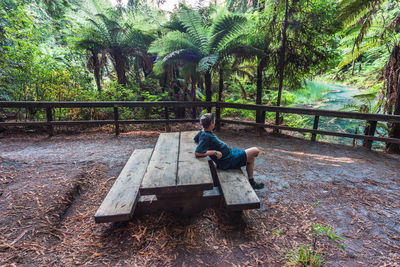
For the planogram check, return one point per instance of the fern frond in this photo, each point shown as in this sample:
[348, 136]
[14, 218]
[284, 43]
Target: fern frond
[225, 28]
[171, 42]
[206, 63]
[185, 55]
[367, 96]
[353, 55]
[352, 11]
[350, 107]
[395, 23]
[192, 22]
[135, 38]
[358, 11]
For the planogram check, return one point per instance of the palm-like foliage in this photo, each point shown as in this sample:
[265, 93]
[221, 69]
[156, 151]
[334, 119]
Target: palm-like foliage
[118, 35]
[196, 45]
[355, 13]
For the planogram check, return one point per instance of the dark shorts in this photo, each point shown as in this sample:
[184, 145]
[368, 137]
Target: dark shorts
[237, 159]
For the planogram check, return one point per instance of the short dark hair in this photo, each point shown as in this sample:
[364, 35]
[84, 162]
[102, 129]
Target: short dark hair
[206, 119]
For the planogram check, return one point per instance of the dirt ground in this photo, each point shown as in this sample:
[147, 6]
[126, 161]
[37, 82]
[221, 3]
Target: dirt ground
[50, 188]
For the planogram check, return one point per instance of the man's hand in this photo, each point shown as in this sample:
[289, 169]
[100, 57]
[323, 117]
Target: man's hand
[219, 154]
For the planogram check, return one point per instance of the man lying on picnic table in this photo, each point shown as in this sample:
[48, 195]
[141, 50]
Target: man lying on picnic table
[224, 156]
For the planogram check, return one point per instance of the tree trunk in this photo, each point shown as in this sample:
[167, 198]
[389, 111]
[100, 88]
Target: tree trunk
[282, 52]
[119, 66]
[207, 78]
[259, 91]
[392, 94]
[193, 96]
[96, 68]
[221, 84]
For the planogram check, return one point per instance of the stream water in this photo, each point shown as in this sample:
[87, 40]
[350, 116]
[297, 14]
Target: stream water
[335, 97]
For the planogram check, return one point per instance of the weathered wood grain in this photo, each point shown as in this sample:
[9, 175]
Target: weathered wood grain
[150, 204]
[193, 173]
[121, 200]
[162, 170]
[237, 191]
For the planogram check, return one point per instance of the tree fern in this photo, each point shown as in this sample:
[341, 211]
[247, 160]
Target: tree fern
[119, 35]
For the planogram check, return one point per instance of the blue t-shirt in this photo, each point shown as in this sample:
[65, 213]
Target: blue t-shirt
[209, 141]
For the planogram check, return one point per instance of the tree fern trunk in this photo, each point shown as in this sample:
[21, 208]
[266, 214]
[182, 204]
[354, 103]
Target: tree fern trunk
[282, 52]
[193, 96]
[207, 78]
[392, 93]
[96, 68]
[119, 67]
[259, 91]
[221, 84]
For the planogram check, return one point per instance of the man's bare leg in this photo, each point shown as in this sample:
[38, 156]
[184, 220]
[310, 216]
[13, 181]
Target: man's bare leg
[251, 154]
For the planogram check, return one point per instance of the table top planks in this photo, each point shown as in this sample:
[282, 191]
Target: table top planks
[237, 191]
[193, 173]
[162, 169]
[121, 200]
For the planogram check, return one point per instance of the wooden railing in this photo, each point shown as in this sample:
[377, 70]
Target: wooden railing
[372, 119]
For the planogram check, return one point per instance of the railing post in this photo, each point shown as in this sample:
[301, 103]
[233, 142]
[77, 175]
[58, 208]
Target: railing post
[315, 127]
[166, 113]
[218, 117]
[49, 115]
[371, 132]
[277, 122]
[116, 122]
[261, 119]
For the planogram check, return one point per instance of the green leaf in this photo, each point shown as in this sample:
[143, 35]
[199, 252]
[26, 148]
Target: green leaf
[206, 63]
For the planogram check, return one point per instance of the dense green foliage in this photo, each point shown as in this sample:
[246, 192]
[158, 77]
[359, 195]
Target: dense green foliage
[49, 50]
[246, 52]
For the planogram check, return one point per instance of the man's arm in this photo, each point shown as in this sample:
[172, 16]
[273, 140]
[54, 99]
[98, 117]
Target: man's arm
[209, 153]
[196, 138]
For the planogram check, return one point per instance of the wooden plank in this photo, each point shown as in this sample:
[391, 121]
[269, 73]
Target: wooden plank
[315, 112]
[121, 200]
[161, 173]
[304, 111]
[149, 204]
[193, 173]
[95, 122]
[101, 104]
[237, 191]
[302, 130]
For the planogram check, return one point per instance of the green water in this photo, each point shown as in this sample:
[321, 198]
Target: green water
[328, 96]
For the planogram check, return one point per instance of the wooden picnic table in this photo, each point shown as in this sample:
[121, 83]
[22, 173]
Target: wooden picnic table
[173, 167]
[170, 177]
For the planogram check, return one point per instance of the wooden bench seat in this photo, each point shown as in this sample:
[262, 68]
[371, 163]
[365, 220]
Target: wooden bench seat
[236, 189]
[121, 200]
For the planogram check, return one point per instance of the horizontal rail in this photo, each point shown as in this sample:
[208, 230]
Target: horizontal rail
[315, 112]
[294, 129]
[105, 104]
[96, 122]
[300, 111]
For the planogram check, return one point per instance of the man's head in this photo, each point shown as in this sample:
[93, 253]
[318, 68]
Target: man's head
[206, 120]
